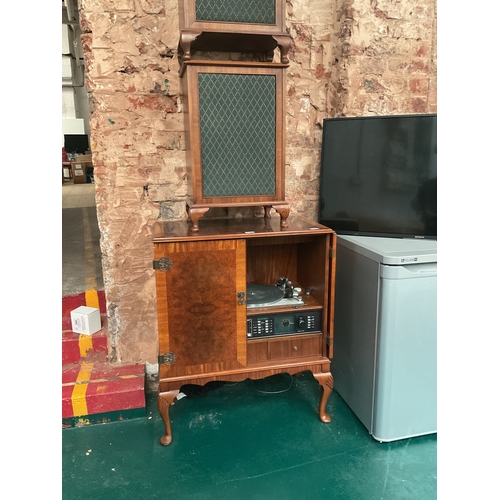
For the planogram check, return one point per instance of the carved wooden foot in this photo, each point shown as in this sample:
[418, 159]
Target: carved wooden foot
[165, 399]
[284, 211]
[284, 42]
[194, 214]
[186, 39]
[326, 382]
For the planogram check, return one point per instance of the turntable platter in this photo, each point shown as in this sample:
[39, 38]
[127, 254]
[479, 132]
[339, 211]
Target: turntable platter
[263, 295]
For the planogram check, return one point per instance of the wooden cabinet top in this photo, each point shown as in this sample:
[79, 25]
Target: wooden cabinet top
[257, 227]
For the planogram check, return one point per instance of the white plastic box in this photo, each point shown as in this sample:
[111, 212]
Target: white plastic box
[86, 320]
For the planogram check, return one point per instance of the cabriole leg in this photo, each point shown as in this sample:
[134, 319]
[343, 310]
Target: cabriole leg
[194, 214]
[165, 399]
[284, 211]
[326, 382]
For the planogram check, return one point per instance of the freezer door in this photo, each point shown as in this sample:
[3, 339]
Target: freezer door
[405, 396]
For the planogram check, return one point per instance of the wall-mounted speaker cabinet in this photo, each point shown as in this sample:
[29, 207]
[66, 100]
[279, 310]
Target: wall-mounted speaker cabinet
[235, 123]
[252, 26]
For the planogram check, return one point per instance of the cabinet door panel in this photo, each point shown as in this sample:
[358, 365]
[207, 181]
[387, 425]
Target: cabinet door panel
[200, 320]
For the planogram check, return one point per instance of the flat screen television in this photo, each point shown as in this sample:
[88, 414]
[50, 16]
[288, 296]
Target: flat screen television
[379, 176]
[76, 143]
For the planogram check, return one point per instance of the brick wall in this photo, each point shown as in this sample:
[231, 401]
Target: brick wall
[348, 57]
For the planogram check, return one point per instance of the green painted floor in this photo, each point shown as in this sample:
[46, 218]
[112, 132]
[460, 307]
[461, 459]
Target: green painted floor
[251, 440]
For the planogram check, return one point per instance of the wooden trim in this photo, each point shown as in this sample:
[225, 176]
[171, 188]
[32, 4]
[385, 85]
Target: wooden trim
[331, 298]
[255, 370]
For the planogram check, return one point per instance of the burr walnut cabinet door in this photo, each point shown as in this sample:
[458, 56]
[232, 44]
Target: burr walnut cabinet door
[201, 310]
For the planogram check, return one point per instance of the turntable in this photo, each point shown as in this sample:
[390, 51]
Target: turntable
[272, 296]
[282, 294]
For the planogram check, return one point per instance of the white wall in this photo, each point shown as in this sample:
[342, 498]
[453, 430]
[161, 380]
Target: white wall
[73, 126]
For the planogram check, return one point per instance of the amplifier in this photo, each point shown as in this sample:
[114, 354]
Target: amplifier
[272, 325]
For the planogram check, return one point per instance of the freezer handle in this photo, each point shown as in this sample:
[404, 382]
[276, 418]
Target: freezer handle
[409, 271]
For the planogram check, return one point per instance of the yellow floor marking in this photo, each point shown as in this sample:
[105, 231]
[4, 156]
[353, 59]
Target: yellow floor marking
[85, 341]
[91, 298]
[85, 344]
[78, 396]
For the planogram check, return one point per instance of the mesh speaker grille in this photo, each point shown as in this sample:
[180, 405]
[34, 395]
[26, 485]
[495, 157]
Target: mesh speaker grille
[236, 11]
[238, 134]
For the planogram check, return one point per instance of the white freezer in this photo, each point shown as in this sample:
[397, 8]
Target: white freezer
[385, 351]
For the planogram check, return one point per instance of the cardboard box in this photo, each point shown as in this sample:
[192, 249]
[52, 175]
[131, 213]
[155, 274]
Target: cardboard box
[86, 320]
[79, 172]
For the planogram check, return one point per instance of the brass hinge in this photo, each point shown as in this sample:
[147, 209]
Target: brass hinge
[163, 264]
[241, 298]
[331, 253]
[167, 358]
[329, 341]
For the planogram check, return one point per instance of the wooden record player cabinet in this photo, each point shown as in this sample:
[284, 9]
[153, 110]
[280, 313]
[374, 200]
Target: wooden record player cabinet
[201, 283]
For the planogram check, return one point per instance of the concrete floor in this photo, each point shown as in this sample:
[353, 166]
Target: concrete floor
[81, 252]
[78, 195]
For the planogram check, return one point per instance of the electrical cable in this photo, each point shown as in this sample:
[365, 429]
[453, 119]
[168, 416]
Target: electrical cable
[274, 392]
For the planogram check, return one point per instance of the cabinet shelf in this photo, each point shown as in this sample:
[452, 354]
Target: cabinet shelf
[261, 44]
[310, 304]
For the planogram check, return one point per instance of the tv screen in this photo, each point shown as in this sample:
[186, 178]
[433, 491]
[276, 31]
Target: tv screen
[76, 143]
[379, 176]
